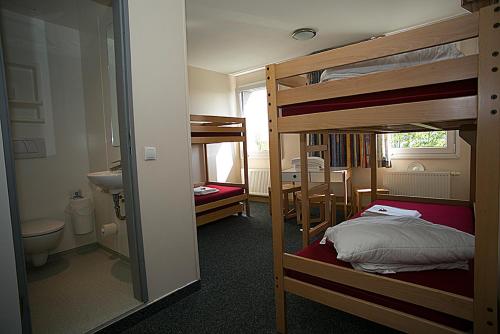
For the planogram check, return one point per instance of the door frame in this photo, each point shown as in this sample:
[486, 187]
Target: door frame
[128, 148]
[22, 281]
[128, 158]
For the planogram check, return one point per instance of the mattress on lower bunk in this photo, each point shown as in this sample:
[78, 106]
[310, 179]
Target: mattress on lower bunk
[445, 90]
[456, 281]
[224, 192]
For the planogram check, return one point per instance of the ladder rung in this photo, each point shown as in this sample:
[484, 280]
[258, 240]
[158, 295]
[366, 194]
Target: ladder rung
[319, 228]
[316, 148]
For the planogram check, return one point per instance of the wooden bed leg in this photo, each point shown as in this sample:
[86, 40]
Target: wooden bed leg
[245, 170]
[487, 174]
[276, 199]
[373, 165]
[304, 191]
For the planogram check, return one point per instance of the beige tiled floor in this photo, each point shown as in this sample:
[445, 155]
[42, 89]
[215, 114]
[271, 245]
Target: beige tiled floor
[77, 292]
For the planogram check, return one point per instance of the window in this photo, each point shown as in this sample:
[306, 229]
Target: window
[430, 144]
[254, 109]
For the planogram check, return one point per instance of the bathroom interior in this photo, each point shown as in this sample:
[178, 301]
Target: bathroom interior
[60, 69]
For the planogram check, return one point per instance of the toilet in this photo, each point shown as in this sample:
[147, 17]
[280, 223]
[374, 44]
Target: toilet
[39, 237]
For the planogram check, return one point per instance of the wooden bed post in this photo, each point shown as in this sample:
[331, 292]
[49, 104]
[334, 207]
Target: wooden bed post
[305, 217]
[373, 166]
[469, 136]
[327, 158]
[245, 170]
[276, 202]
[205, 162]
[487, 174]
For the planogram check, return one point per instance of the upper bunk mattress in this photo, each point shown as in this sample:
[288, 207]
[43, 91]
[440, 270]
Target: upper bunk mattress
[224, 192]
[406, 59]
[456, 281]
[404, 95]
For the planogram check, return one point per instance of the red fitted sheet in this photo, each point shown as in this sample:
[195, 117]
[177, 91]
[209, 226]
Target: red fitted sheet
[224, 192]
[456, 281]
[405, 95]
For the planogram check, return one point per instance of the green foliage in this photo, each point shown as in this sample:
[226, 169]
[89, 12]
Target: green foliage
[432, 139]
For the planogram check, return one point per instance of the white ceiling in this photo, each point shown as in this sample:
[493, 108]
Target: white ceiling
[230, 36]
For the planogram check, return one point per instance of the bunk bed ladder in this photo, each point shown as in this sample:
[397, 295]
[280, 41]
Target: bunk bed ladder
[321, 189]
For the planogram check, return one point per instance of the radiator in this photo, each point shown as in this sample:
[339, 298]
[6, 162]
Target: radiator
[421, 184]
[259, 181]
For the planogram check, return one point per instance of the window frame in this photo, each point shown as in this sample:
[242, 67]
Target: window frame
[450, 152]
[239, 91]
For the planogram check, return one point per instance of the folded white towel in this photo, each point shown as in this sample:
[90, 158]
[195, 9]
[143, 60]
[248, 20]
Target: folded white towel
[204, 190]
[390, 211]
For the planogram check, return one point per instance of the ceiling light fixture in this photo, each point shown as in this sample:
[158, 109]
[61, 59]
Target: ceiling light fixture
[303, 34]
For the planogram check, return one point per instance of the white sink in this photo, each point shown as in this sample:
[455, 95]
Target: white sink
[110, 181]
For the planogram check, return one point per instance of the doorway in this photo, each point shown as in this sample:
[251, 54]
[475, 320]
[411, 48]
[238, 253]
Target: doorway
[65, 126]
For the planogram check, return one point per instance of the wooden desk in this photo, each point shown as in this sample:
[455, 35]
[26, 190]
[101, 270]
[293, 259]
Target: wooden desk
[337, 175]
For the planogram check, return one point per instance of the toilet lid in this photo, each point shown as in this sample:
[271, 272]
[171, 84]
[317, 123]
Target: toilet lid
[36, 227]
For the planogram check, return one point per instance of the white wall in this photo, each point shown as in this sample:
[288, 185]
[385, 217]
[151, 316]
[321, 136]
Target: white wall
[213, 93]
[45, 184]
[159, 87]
[10, 317]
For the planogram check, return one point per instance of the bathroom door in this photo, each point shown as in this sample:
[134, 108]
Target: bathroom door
[9, 209]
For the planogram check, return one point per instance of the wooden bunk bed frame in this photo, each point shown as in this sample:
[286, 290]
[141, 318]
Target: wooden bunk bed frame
[207, 130]
[476, 117]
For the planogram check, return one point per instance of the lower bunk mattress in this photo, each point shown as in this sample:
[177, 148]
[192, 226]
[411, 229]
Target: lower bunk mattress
[456, 281]
[223, 193]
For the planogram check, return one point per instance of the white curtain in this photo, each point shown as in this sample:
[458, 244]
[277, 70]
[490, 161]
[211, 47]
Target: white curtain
[383, 151]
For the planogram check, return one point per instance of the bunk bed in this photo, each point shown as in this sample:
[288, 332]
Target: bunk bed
[453, 94]
[231, 198]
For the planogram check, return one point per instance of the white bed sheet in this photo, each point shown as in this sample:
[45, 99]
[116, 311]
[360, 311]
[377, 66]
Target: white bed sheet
[424, 56]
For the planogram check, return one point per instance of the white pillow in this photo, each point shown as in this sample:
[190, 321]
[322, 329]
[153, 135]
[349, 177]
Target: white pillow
[399, 240]
[384, 268]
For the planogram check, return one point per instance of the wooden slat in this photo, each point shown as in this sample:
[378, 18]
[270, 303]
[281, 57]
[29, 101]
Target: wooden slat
[420, 75]
[219, 119]
[487, 176]
[229, 184]
[320, 189]
[314, 231]
[424, 200]
[392, 318]
[438, 300]
[458, 108]
[276, 201]
[220, 139]
[296, 81]
[316, 148]
[203, 128]
[448, 31]
[219, 214]
[220, 203]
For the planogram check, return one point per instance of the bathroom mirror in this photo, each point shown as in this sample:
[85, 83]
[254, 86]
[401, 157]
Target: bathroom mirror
[110, 43]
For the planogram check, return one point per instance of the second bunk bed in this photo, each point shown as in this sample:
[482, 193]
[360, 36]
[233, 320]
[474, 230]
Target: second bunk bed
[230, 198]
[448, 94]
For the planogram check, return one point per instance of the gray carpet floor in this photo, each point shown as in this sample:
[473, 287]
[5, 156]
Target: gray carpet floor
[237, 294]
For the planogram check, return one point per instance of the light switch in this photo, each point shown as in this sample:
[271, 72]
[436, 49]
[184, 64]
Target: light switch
[149, 153]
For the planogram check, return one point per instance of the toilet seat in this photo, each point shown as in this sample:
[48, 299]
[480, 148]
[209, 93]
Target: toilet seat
[38, 227]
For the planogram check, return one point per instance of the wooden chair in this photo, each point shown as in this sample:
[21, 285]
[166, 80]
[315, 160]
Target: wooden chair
[286, 190]
[317, 200]
[361, 192]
